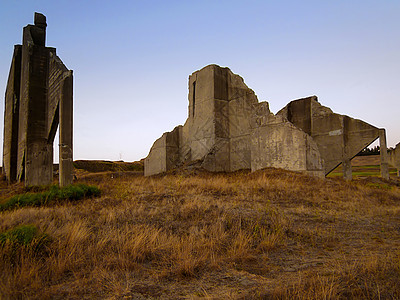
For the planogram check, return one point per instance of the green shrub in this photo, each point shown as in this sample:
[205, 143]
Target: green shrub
[24, 235]
[76, 192]
[382, 186]
[54, 193]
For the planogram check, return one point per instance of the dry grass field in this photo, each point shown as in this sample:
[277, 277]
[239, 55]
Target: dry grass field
[271, 234]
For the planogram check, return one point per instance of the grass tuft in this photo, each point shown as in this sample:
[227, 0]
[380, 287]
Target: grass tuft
[24, 236]
[71, 192]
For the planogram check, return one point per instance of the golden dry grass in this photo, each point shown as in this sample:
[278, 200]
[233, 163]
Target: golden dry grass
[268, 234]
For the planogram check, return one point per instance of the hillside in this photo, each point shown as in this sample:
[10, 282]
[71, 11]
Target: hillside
[103, 166]
[193, 235]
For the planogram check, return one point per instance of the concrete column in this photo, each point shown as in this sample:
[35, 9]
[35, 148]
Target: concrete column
[66, 130]
[347, 171]
[397, 158]
[38, 96]
[383, 154]
[35, 154]
[346, 158]
[11, 117]
[38, 152]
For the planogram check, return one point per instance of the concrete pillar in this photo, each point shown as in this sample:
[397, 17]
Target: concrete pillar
[383, 154]
[346, 156]
[347, 171]
[38, 152]
[66, 128]
[11, 117]
[35, 154]
[397, 158]
[38, 96]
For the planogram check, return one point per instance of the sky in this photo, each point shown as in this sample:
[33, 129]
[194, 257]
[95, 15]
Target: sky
[131, 60]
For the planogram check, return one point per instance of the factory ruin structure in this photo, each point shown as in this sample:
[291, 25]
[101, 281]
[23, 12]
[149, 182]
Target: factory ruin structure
[38, 99]
[394, 158]
[228, 129]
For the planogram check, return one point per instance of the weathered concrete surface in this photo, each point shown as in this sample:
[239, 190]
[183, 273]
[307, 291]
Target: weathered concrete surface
[220, 109]
[66, 160]
[339, 137]
[383, 154]
[11, 117]
[35, 155]
[226, 130]
[394, 158]
[164, 155]
[39, 91]
[278, 143]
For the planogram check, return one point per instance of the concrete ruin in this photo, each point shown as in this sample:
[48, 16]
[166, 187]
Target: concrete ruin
[39, 97]
[394, 158]
[339, 138]
[228, 129]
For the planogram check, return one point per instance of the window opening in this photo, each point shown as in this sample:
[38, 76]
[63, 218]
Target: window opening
[194, 97]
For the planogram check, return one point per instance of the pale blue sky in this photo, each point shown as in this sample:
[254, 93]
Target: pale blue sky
[132, 59]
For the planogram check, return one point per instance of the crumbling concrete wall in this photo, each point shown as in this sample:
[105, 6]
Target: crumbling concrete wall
[220, 109]
[38, 99]
[394, 158]
[164, 154]
[278, 143]
[339, 138]
[226, 130]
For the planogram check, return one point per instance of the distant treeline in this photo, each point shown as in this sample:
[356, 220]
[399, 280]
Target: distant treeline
[369, 151]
